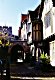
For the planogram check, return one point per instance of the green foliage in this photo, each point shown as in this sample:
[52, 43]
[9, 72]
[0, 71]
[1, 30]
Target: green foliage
[45, 62]
[5, 42]
[42, 56]
[45, 58]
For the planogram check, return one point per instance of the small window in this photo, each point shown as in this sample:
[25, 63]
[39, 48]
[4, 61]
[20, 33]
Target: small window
[36, 26]
[47, 20]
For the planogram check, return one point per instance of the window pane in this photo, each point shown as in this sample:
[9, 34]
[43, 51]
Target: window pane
[36, 26]
[33, 27]
[33, 35]
[47, 20]
[37, 35]
[39, 27]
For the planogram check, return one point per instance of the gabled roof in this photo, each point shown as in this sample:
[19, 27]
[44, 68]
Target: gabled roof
[24, 17]
[35, 14]
[32, 14]
[37, 9]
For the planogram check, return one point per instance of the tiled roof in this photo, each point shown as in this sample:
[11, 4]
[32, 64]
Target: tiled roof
[24, 17]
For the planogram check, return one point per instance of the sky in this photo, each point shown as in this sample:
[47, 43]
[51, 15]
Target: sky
[11, 10]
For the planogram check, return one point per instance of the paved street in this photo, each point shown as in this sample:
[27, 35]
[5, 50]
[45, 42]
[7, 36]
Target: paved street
[27, 71]
[30, 71]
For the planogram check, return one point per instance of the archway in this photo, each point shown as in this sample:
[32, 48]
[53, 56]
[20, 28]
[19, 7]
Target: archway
[17, 52]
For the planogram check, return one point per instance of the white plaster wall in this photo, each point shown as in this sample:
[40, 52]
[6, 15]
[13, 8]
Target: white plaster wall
[47, 31]
[47, 7]
[52, 53]
[29, 27]
[30, 39]
[29, 19]
[43, 14]
[23, 32]
[54, 20]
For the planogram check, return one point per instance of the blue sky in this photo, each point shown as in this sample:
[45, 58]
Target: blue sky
[11, 10]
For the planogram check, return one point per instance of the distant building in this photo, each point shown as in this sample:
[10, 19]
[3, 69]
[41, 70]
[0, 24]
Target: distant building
[5, 32]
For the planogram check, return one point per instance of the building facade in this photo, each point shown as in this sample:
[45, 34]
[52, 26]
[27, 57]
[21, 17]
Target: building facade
[24, 18]
[5, 32]
[29, 29]
[48, 18]
[32, 31]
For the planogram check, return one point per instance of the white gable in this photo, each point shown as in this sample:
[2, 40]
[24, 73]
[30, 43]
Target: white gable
[48, 18]
[48, 5]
